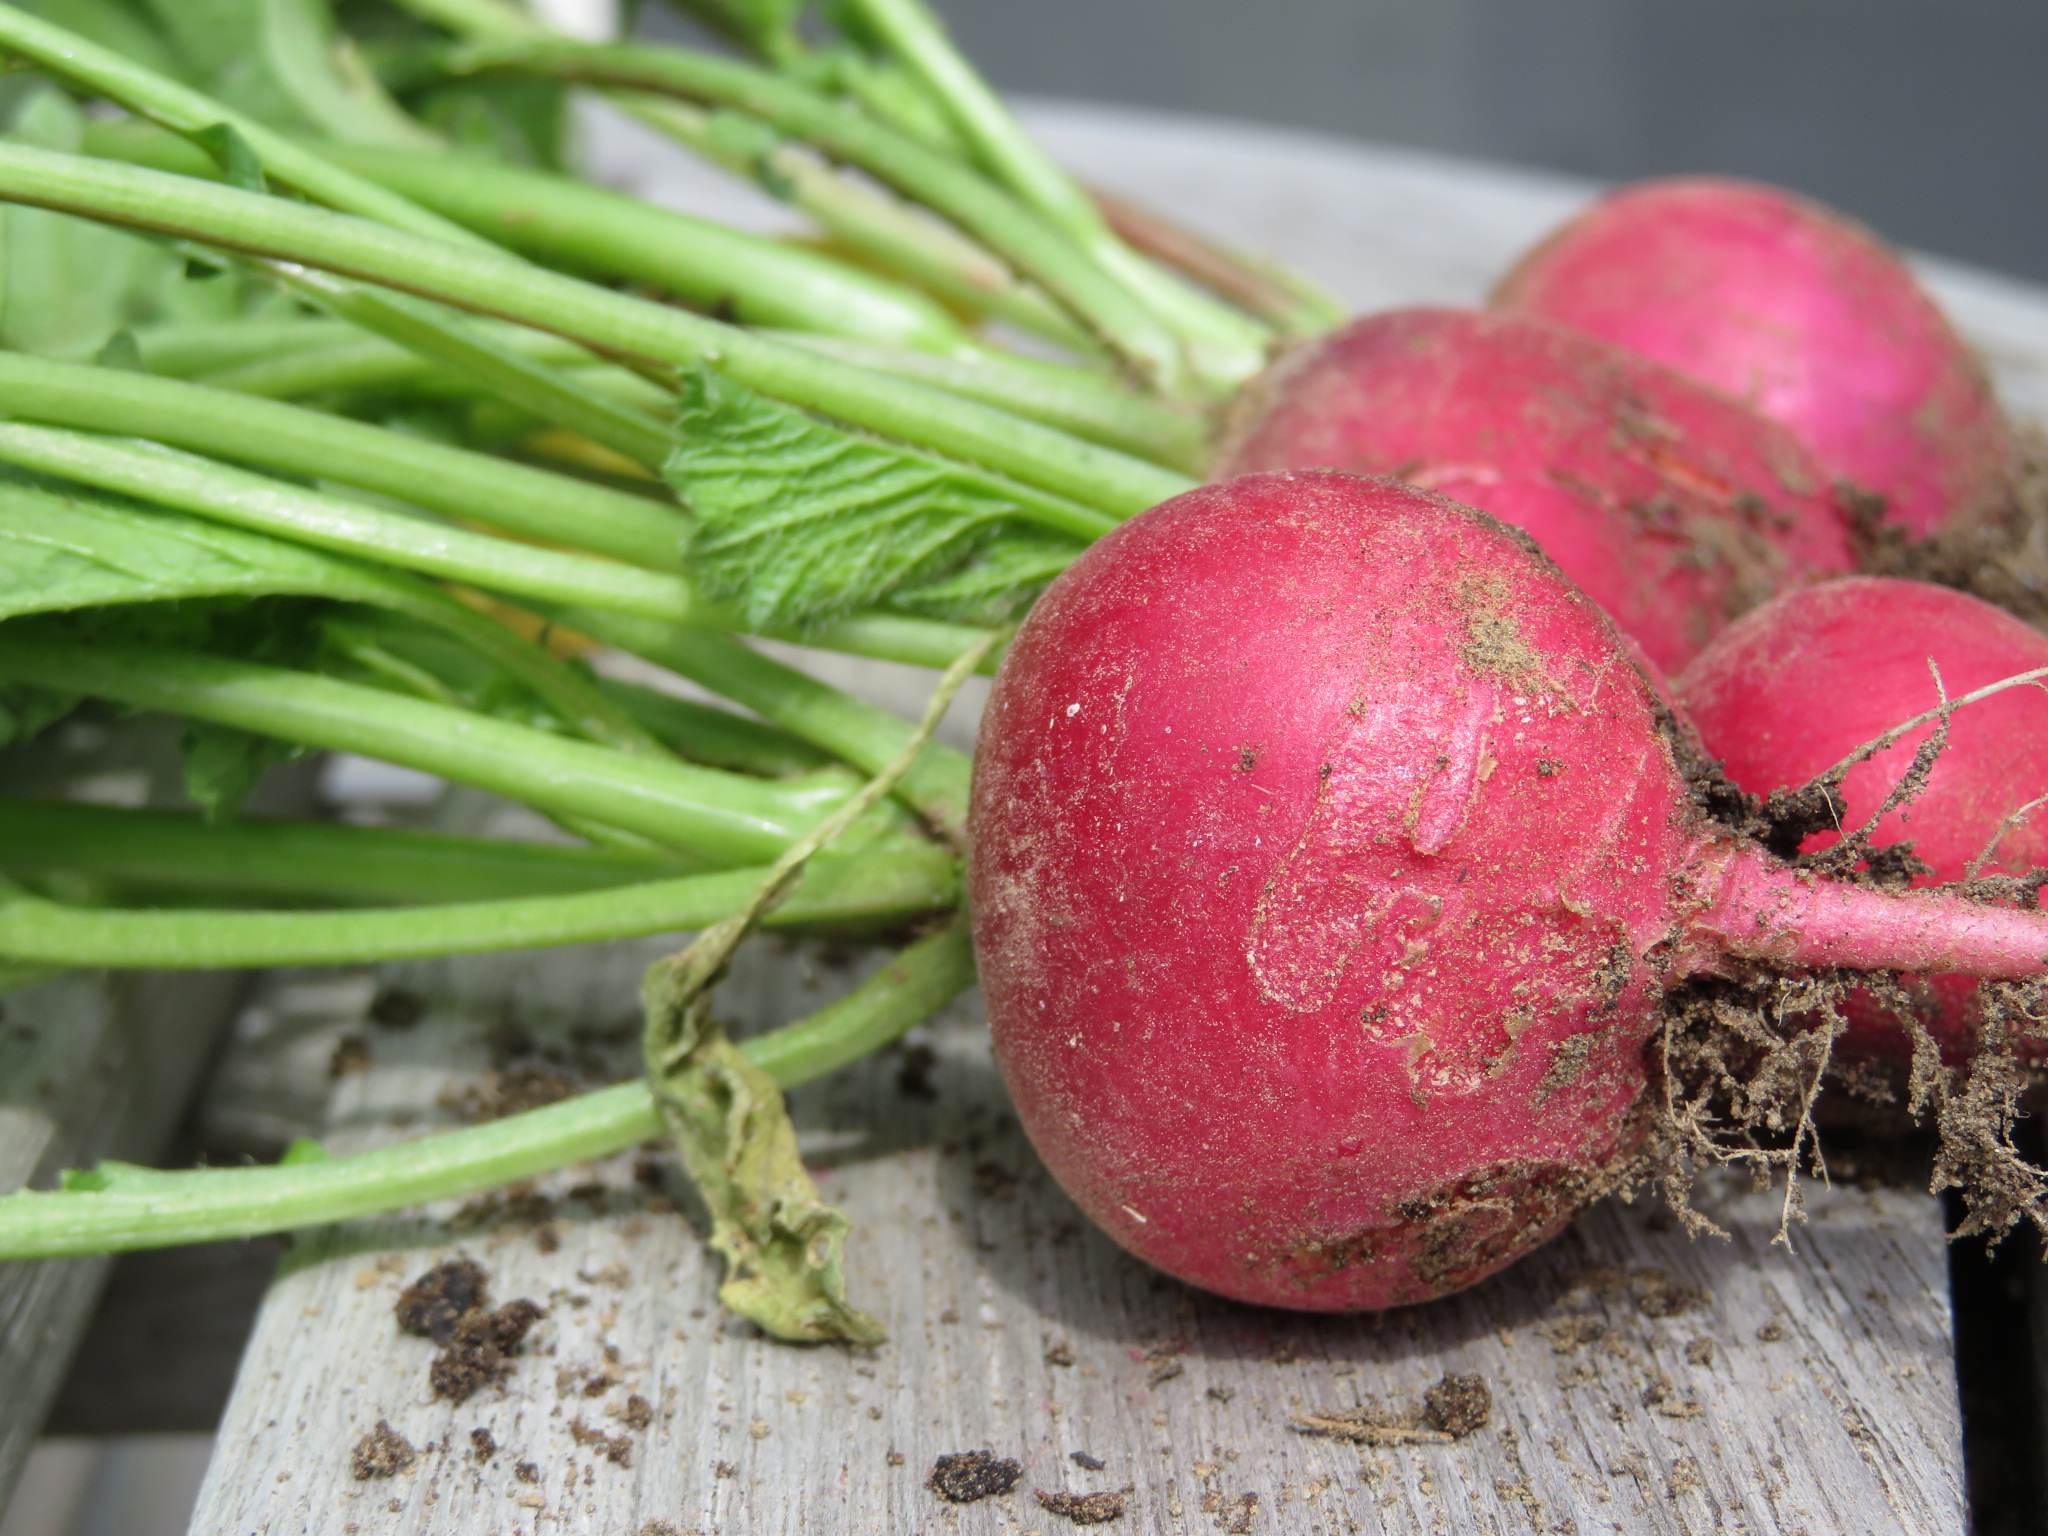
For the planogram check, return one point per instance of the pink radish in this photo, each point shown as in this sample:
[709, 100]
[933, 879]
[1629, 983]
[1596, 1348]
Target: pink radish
[1330, 861]
[1799, 685]
[1796, 310]
[1675, 508]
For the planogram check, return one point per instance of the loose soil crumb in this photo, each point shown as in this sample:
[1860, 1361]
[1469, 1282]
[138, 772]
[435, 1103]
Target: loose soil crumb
[914, 1076]
[659, 1528]
[1665, 1297]
[1700, 1352]
[1235, 1519]
[439, 1299]
[509, 1091]
[1083, 1508]
[1086, 1462]
[638, 1412]
[527, 1472]
[968, 1476]
[482, 1444]
[481, 1349]
[397, 1009]
[1061, 1353]
[1685, 1476]
[351, 1055]
[1163, 1363]
[1457, 1405]
[383, 1452]
[617, 1449]
[992, 1181]
[1770, 1333]
[448, 1304]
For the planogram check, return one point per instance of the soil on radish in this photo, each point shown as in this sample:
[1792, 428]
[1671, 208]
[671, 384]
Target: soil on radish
[2002, 559]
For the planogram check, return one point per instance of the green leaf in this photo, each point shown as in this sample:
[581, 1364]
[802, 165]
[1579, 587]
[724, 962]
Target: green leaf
[1000, 583]
[67, 285]
[783, 1245]
[78, 551]
[239, 164]
[223, 764]
[799, 521]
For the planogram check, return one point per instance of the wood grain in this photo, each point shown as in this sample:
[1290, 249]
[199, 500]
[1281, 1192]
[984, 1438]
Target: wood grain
[92, 1065]
[1642, 1381]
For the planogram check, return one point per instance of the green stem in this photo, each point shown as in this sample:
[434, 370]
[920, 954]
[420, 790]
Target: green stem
[859, 219]
[1232, 346]
[1016, 233]
[184, 349]
[916, 984]
[717, 738]
[1285, 299]
[200, 486]
[721, 817]
[119, 1206]
[458, 343]
[598, 233]
[569, 693]
[1038, 456]
[1076, 400]
[269, 858]
[897, 637]
[452, 481]
[865, 221]
[351, 360]
[936, 785]
[187, 112]
[878, 889]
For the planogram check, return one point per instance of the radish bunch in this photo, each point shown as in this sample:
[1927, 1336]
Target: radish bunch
[1333, 856]
[1331, 861]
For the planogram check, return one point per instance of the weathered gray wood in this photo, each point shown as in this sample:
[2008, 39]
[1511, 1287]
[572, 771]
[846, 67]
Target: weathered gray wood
[1608, 1416]
[1810, 1390]
[92, 1065]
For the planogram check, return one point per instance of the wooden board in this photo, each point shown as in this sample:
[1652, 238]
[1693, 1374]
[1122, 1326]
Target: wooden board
[92, 1065]
[1806, 1389]
[1801, 1390]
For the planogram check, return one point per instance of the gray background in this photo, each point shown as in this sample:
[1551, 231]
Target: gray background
[1927, 118]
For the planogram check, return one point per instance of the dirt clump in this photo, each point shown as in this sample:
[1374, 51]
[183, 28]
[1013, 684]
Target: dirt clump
[396, 1008]
[434, 1303]
[1457, 1405]
[617, 1449]
[450, 1304]
[1083, 1508]
[481, 1349]
[968, 1476]
[383, 1452]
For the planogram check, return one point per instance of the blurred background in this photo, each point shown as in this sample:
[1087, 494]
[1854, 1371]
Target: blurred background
[1926, 118]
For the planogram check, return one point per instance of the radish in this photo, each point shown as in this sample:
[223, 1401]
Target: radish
[1330, 860]
[1675, 508]
[1798, 686]
[1798, 311]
